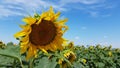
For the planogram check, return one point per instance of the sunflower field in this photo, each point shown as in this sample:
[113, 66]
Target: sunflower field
[41, 45]
[71, 57]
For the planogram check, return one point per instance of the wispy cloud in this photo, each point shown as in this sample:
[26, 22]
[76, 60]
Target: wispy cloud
[106, 15]
[82, 1]
[93, 8]
[21, 7]
[4, 12]
[98, 14]
[83, 27]
[93, 13]
[105, 36]
[77, 38]
[18, 7]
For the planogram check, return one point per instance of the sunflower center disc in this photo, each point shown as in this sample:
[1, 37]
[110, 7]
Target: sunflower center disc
[42, 34]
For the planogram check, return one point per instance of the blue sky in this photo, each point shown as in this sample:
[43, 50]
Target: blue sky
[90, 21]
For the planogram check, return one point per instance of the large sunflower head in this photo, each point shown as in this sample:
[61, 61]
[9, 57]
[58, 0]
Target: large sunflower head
[42, 32]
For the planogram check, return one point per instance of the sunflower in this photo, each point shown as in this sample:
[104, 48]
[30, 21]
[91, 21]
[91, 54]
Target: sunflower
[2, 45]
[84, 61]
[1, 42]
[42, 32]
[70, 56]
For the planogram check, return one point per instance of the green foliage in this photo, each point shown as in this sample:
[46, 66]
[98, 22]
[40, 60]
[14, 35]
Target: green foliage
[86, 57]
[9, 56]
[97, 57]
[45, 62]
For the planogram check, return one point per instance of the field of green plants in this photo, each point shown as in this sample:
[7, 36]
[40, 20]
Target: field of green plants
[71, 57]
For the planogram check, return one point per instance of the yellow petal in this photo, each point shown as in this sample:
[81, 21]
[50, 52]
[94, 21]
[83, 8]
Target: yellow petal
[57, 15]
[52, 47]
[39, 21]
[23, 48]
[44, 50]
[59, 43]
[65, 29]
[24, 39]
[19, 34]
[29, 20]
[47, 18]
[62, 22]
[51, 12]
[25, 26]
[31, 51]
[44, 14]
[25, 42]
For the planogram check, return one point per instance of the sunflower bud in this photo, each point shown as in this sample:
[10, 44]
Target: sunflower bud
[110, 54]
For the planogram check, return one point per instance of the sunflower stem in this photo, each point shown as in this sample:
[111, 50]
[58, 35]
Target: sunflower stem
[31, 63]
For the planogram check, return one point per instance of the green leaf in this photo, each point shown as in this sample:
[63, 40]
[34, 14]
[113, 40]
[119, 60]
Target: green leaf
[46, 63]
[10, 55]
[100, 65]
[10, 50]
[78, 65]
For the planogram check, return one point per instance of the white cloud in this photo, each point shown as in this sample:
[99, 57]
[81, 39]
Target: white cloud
[91, 7]
[106, 15]
[98, 14]
[82, 1]
[14, 7]
[77, 38]
[105, 36]
[4, 12]
[83, 28]
[21, 7]
[94, 13]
